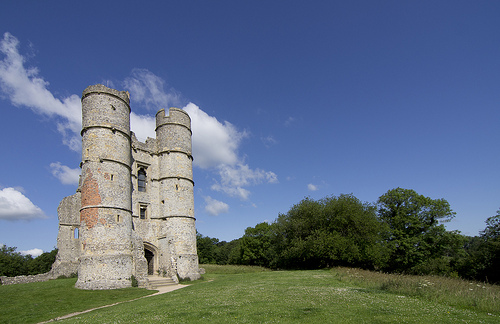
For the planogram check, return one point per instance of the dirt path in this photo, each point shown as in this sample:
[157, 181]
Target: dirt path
[161, 290]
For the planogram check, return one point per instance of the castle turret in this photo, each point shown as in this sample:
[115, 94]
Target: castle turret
[173, 133]
[106, 212]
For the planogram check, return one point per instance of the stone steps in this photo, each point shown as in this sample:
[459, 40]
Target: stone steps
[156, 282]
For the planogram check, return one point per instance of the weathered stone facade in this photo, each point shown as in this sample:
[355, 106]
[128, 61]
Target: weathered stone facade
[133, 213]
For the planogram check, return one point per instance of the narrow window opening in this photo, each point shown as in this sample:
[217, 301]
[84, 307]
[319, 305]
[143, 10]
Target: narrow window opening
[111, 177]
[142, 212]
[117, 218]
[176, 187]
[141, 180]
[76, 234]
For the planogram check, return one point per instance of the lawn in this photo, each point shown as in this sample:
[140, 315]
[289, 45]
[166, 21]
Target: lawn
[239, 295]
[41, 301]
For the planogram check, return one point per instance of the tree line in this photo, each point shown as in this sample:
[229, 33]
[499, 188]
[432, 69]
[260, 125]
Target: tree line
[402, 232]
[13, 263]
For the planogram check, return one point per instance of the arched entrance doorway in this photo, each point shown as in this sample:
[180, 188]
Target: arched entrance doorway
[151, 258]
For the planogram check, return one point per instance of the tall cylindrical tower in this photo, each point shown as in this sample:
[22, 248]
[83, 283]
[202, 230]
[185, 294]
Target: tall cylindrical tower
[173, 133]
[106, 192]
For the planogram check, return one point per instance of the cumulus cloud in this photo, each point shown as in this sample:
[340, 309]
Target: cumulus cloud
[16, 206]
[24, 87]
[33, 252]
[214, 143]
[312, 187]
[65, 174]
[215, 207]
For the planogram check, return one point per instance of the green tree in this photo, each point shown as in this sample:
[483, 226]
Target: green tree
[488, 254]
[42, 263]
[207, 249]
[446, 253]
[12, 263]
[256, 247]
[228, 252]
[492, 230]
[413, 227]
[332, 231]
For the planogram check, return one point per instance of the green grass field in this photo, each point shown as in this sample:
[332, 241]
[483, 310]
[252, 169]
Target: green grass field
[252, 295]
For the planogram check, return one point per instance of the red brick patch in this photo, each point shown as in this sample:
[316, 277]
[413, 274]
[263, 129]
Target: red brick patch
[90, 197]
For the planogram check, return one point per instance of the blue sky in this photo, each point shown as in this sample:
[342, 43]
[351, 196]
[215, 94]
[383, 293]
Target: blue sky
[288, 100]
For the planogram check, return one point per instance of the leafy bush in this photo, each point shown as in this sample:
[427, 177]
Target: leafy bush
[135, 283]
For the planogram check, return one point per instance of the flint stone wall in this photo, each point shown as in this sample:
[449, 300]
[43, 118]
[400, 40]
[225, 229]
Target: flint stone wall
[26, 279]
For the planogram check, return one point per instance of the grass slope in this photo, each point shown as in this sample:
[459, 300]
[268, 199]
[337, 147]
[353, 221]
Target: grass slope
[283, 297]
[42, 301]
[250, 295]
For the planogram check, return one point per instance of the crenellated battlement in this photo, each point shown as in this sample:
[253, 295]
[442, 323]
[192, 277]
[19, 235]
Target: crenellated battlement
[176, 116]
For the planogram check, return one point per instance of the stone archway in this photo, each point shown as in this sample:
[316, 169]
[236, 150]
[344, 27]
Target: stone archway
[150, 257]
[150, 253]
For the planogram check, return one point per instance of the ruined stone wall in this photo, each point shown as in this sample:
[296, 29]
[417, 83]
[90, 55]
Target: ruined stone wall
[68, 237]
[26, 279]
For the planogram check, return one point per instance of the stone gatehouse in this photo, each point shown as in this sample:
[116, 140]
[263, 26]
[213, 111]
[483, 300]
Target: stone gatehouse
[133, 212]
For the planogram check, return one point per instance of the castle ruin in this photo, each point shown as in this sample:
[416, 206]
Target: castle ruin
[133, 213]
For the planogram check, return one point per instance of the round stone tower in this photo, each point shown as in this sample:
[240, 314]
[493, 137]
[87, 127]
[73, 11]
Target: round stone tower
[173, 133]
[106, 193]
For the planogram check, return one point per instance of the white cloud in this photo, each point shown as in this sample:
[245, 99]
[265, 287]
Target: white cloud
[269, 141]
[65, 174]
[240, 192]
[312, 187]
[16, 206]
[215, 207]
[147, 88]
[234, 178]
[143, 126]
[24, 87]
[33, 252]
[214, 143]
[215, 146]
